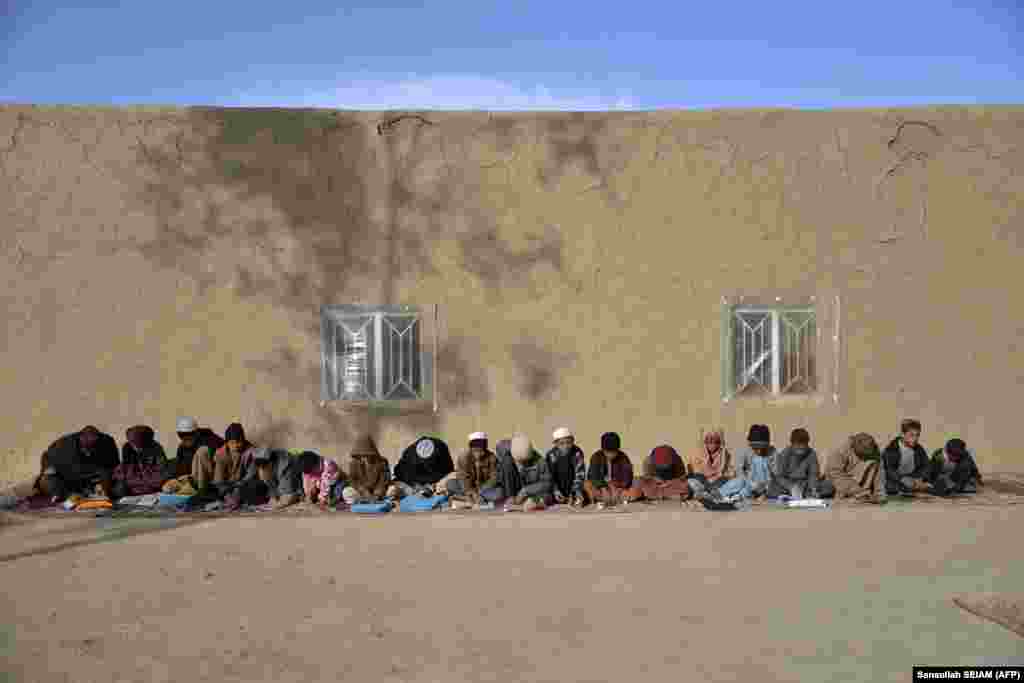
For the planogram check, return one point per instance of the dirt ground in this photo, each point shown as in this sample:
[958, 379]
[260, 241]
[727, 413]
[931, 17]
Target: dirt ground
[849, 594]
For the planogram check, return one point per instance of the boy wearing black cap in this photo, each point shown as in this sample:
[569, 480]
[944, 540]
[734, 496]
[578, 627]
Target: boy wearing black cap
[227, 465]
[610, 474]
[754, 464]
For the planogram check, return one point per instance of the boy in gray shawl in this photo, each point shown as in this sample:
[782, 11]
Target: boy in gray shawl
[797, 472]
[275, 475]
[535, 474]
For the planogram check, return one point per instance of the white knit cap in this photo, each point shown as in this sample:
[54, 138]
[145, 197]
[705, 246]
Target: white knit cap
[561, 433]
[187, 425]
[520, 447]
[478, 436]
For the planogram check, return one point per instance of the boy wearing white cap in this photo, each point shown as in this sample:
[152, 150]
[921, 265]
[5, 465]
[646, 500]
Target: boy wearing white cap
[193, 438]
[475, 478]
[568, 470]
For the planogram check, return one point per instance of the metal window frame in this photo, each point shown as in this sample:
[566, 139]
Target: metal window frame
[733, 307]
[427, 317]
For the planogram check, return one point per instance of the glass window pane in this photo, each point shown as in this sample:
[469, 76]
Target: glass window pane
[401, 362]
[799, 337]
[752, 352]
[356, 368]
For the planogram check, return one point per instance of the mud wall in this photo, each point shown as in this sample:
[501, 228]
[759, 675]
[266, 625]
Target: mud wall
[166, 262]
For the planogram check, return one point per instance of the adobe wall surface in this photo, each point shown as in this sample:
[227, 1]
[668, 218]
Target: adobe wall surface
[166, 262]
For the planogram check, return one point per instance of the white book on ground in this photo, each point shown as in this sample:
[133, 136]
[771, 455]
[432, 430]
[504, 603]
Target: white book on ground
[808, 503]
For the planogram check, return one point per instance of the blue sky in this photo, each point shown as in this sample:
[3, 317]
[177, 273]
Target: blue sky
[518, 54]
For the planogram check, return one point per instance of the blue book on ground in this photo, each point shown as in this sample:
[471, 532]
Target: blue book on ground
[373, 508]
[421, 504]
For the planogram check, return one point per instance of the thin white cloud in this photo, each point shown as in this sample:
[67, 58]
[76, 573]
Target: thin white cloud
[454, 92]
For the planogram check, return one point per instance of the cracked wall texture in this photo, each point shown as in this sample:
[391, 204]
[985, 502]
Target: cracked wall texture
[173, 261]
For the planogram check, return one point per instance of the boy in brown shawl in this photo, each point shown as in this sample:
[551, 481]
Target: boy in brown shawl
[369, 473]
[228, 465]
[856, 471]
[476, 477]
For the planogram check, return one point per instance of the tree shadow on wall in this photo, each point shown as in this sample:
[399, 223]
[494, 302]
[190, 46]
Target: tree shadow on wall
[302, 188]
[538, 369]
[584, 141]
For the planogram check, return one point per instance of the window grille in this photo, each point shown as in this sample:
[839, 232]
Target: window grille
[770, 350]
[377, 353]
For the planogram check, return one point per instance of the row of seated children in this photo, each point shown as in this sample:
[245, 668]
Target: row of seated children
[513, 474]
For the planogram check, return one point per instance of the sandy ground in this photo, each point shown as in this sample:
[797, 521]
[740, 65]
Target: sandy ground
[844, 595]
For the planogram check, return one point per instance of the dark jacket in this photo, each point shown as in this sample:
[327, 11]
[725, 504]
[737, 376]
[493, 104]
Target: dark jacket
[536, 477]
[961, 473]
[891, 457]
[286, 479]
[204, 437]
[618, 472]
[567, 471]
[416, 471]
[507, 472]
[66, 456]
